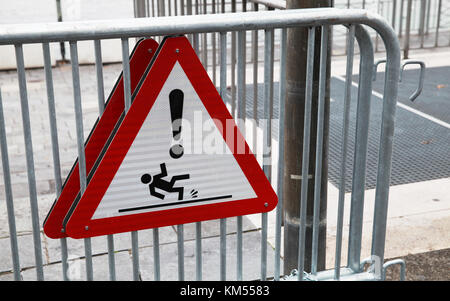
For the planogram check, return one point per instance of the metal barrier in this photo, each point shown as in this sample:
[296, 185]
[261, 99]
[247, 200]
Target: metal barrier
[224, 26]
[418, 23]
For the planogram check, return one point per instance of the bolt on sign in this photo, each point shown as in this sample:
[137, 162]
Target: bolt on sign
[175, 157]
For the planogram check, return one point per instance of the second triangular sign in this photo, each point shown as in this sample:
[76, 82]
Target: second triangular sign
[177, 157]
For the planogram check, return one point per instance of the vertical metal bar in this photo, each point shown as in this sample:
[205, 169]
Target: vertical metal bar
[241, 82]
[427, 26]
[239, 248]
[198, 251]
[198, 225]
[223, 249]
[135, 254]
[400, 25]
[280, 174]
[319, 145]
[111, 257]
[182, 7]
[180, 245]
[189, 7]
[64, 258]
[385, 150]
[408, 29]
[161, 8]
[99, 72]
[348, 6]
[156, 258]
[223, 65]
[233, 65]
[214, 49]
[255, 84]
[62, 47]
[438, 23]
[241, 122]
[88, 255]
[126, 73]
[423, 8]
[239, 258]
[9, 196]
[268, 102]
[195, 43]
[344, 147]
[360, 151]
[127, 100]
[101, 109]
[55, 144]
[379, 11]
[239, 219]
[80, 144]
[264, 246]
[223, 91]
[267, 136]
[305, 157]
[394, 13]
[30, 160]
[52, 117]
[205, 42]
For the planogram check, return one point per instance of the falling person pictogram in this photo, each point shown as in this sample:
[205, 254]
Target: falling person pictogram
[157, 181]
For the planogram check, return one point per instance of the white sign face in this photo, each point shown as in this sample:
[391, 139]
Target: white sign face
[168, 167]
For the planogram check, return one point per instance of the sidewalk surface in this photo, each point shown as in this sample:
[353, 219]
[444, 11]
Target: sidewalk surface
[419, 209]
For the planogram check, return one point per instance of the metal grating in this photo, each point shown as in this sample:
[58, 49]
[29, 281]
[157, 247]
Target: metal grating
[421, 149]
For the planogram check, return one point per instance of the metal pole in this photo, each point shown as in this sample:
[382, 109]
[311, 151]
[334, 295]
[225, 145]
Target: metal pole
[55, 144]
[140, 8]
[408, 29]
[280, 174]
[344, 149]
[62, 47]
[223, 93]
[80, 144]
[30, 161]
[438, 23]
[360, 151]
[319, 146]
[9, 196]
[427, 26]
[423, 8]
[400, 25]
[296, 63]
[394, 13]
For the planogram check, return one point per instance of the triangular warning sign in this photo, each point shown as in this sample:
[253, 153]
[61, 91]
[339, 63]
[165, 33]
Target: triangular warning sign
[140, 58]
[177, 157]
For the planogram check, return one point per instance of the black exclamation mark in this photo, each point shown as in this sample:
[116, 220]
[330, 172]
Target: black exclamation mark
[176, 99]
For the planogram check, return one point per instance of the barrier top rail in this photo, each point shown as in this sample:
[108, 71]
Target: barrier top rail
[109, 29]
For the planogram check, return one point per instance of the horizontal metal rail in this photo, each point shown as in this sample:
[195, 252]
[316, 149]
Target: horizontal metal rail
[110, 29]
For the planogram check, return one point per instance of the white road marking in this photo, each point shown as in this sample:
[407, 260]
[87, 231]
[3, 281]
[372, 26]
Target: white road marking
[401, 105]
